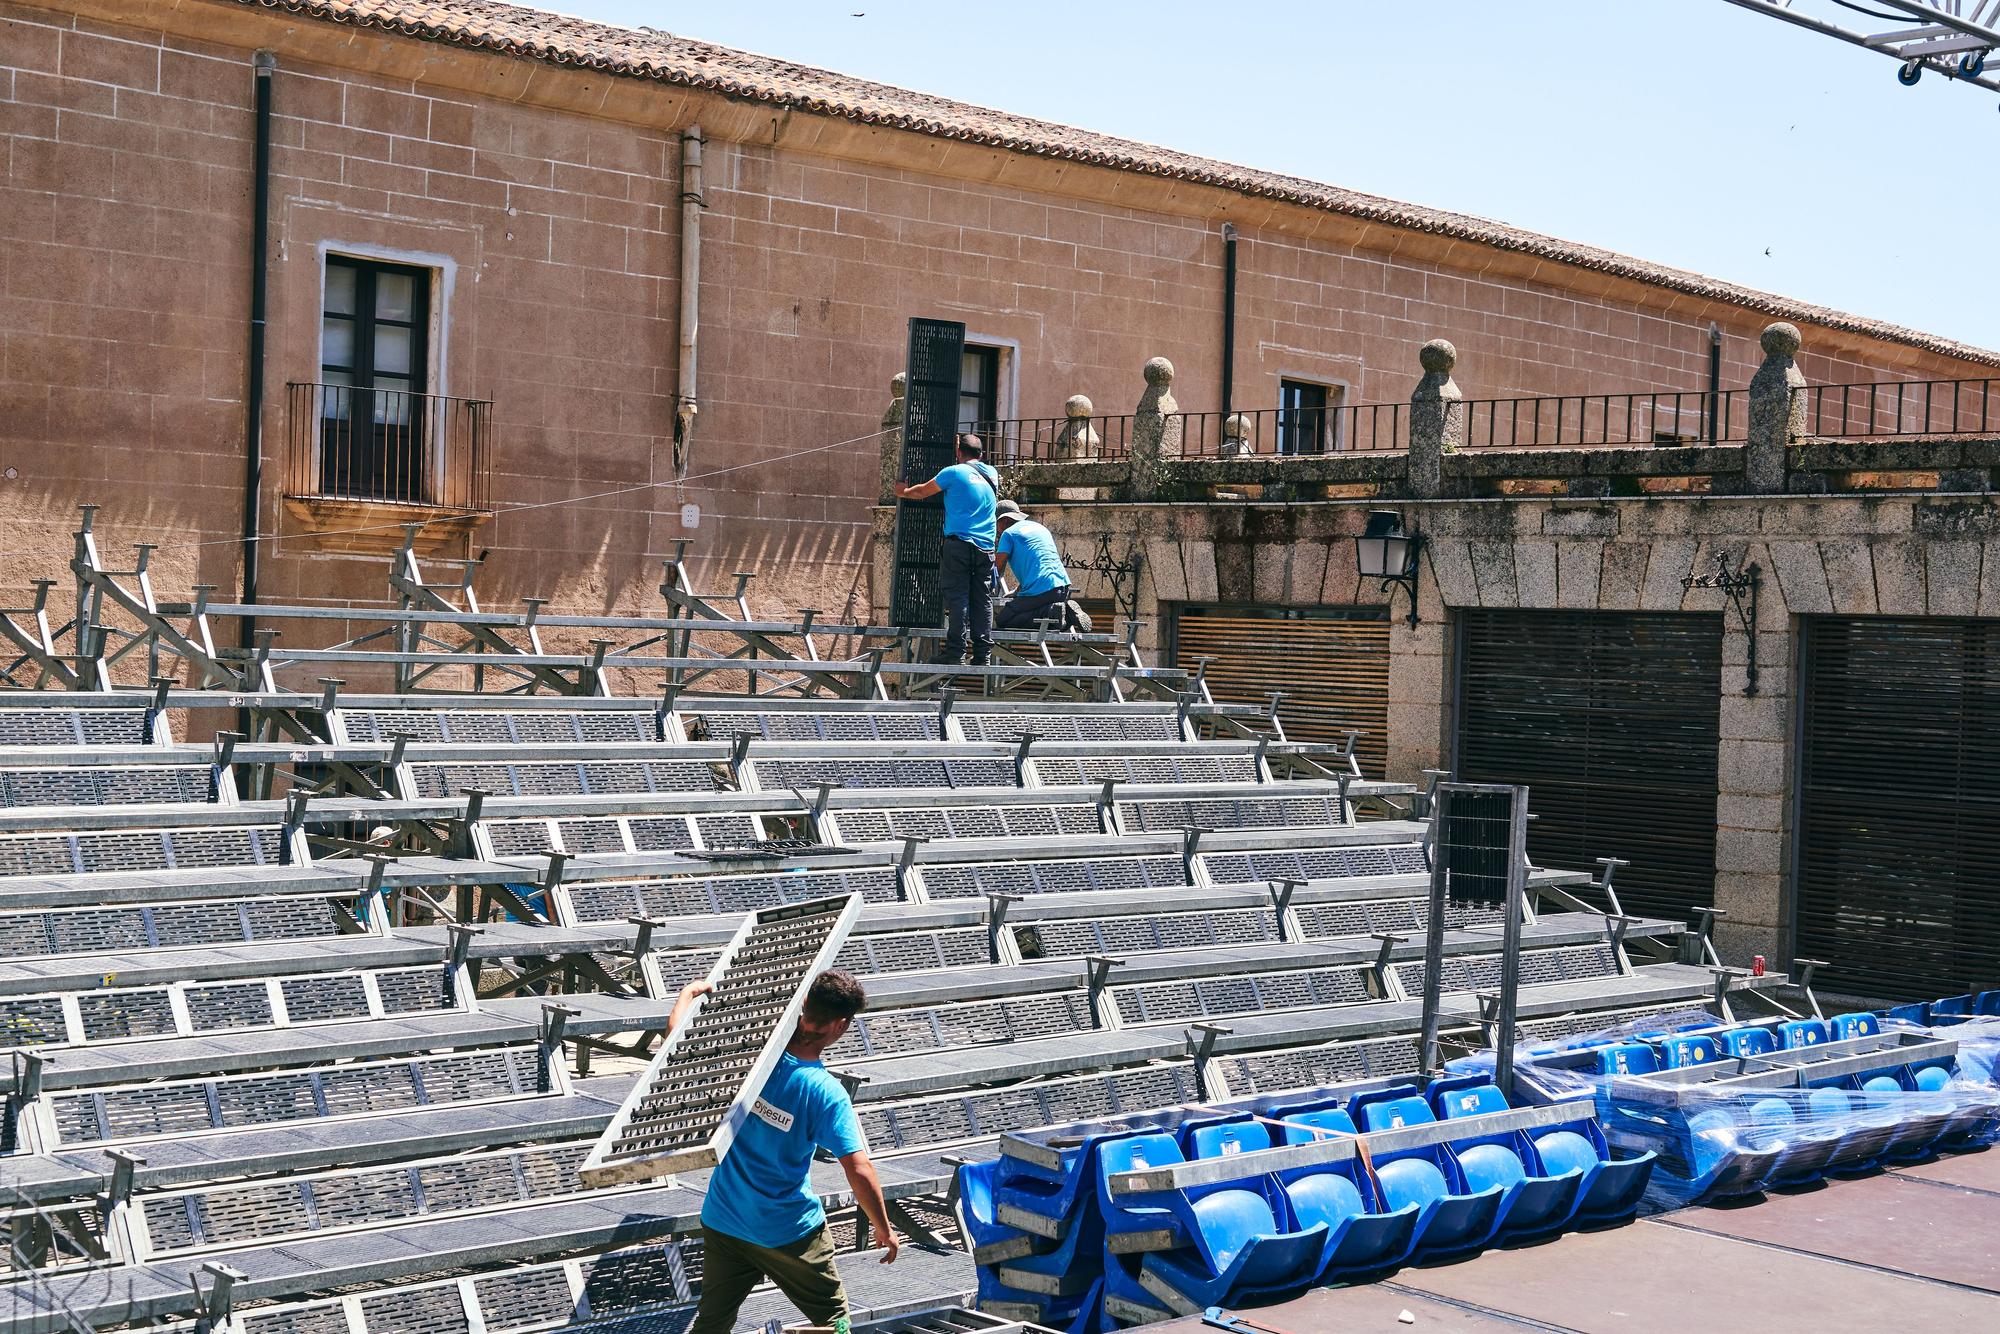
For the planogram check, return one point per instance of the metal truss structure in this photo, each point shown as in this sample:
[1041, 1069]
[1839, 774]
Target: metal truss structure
[1951, 38]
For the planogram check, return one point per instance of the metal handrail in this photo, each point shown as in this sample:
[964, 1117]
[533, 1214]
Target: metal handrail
[350, 443]
[1902, 407]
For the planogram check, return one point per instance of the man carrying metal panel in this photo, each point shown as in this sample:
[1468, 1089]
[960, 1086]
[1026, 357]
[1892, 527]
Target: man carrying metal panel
[762, 1218]
[965, 562]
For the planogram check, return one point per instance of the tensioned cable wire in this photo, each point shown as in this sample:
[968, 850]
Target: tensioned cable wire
[502, 511]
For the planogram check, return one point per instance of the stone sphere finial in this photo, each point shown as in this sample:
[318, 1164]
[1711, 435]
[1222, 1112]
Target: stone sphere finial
[1437, 357]
[1076, 405]
[1159, 372]
[899, 384]
[1236, 426]
[1780, 339]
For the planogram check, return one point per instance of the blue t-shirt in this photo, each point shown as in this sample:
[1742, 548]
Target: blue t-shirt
[1032, 558]
[762, 1191]
[968, 502]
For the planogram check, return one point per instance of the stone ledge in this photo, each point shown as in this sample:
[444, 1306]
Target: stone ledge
[375, 527]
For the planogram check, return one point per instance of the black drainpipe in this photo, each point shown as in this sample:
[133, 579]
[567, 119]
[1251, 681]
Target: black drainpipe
[265, 63]
[1714, 382]
[1228, 316]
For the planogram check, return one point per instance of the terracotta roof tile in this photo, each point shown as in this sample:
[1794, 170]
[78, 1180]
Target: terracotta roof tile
[649, 53]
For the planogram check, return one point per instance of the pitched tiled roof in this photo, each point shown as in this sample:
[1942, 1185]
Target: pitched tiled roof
[650, 54]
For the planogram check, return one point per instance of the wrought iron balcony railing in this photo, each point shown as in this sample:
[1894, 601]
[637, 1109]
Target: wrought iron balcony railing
[347, 443]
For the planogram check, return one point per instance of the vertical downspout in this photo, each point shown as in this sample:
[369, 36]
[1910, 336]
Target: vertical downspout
[1714, 382]
[692, 204]
[265, 63]
[1228, 316]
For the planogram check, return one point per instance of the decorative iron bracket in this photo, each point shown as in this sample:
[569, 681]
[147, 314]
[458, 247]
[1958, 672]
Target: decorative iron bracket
[1739, 586]
[1121, 575]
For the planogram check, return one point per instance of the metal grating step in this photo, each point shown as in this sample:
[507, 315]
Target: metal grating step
[60, 931]
[139, 850]
[804, 775]
[1069, 875]
[1110, 725]
[685, 1111]
[1241, 868]
[803, 725]
[615, 901]
[552, 778]
[879, 826]
[500, 726]
[1246, 812]
[125, 785]
[1193, 767]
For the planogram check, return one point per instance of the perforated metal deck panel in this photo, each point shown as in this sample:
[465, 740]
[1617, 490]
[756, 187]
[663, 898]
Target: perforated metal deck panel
[1192, 767]
[1402, 916]
[125, 785]
[139, 850]
[1312, 1067]
[966, 1024]
[1481, 972]
[801, 725]
[562, 778]
[60, 931]
[197, 1106]
[1236, 868]
[1106, 723]
[243, 1214]
[778, 775]
[1161, 930]
[1066, 876]
[957, 1117]
[74, 727]
[639, 721]
[875, 826]
[686, 1109]
[1209, 998]
[1246, 812]
[123, 1013]
[686, 896]
[634, 833]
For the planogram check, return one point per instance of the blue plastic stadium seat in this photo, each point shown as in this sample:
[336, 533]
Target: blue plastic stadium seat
[1228, 1240]
[1741, 1042]
[1678, 1053]
[1361, 1236]
[1239, 1252]
[1310, 1127]
[1540, 1198]
[1627, 1058]
[1228, 1139]
[1801, 1033]
[1454, 1216]
[1849, 1026]
[1933, 1078]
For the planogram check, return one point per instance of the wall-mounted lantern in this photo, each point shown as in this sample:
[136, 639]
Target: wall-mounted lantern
[1384, 551]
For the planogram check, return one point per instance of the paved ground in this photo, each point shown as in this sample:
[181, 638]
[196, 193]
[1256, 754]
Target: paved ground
[1913, 1249]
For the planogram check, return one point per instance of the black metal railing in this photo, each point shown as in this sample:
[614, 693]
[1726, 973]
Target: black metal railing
[1266, 433]
[1652, 417]
[1903, 407]
[346, 443]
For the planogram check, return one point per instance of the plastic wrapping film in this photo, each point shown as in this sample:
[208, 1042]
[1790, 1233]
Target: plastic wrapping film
[1734, 1108]
[1106, 1224]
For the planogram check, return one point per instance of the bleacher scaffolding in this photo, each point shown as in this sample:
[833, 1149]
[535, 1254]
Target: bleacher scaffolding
[327, 1009]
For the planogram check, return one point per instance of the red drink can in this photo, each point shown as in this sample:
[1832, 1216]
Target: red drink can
[1756, 965]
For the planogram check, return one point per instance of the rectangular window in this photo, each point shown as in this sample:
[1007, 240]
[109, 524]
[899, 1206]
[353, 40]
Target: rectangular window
[374, 373]
[1303, 422]
[978, 386]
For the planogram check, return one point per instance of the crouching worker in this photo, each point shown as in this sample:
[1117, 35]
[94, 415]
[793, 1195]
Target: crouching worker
[761, 1218]
[1028, 552]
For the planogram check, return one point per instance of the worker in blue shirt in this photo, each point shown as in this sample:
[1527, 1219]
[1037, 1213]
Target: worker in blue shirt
[1027, 551]
[965, 561]
[762, 1218]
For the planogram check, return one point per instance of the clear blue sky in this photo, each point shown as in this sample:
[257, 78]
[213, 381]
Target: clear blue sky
[1689, 132]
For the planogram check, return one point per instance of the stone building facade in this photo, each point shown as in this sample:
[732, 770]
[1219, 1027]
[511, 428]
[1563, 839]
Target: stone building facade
[1834, 824]
[527, 169]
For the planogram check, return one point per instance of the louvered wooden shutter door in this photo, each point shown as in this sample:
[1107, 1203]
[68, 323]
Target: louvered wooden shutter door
[1332, 664]
[1898, 848]
[1611, 720]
